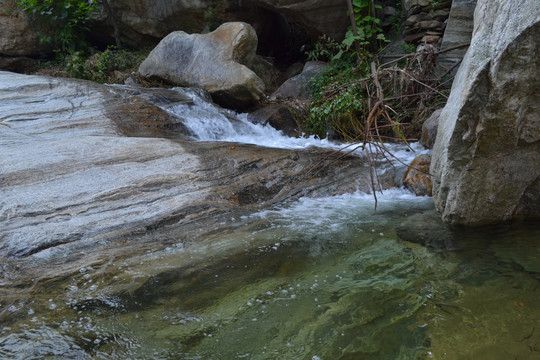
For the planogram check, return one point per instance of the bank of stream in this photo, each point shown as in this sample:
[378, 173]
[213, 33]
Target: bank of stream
[328, 277]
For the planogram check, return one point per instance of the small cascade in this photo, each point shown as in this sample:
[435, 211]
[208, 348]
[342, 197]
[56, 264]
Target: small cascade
[208, 122]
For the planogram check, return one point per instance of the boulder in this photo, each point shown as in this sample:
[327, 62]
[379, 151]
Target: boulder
[281, 117]
[297, 87]
[417, 177]
[429, 130]
[486, 158]
[18, 34]
[215, 62]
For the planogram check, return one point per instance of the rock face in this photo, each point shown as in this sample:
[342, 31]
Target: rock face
[215, 62]
[486, 159]
[145, 21]
[18, 34]
[458, 32]
[316, 16]
[89, 170]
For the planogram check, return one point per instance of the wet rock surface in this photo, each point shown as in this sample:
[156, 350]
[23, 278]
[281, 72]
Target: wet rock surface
[90, 172]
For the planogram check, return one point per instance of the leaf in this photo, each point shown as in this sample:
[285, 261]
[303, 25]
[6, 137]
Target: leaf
[338, 55]
[361, 3]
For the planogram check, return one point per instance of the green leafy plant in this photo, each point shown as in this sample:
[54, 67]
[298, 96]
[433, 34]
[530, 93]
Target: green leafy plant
[337, 102]
[65, 21]
[365, 32]
[325, 49]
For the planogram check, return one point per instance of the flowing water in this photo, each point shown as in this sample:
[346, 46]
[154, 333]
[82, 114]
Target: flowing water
[325, 278]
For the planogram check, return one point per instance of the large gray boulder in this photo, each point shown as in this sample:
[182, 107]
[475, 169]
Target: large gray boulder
[215, 62]
[486, 158]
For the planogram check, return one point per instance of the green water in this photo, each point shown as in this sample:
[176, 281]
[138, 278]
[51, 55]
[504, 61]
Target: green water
[319, 279]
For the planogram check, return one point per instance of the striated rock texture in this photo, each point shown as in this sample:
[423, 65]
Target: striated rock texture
[215, 62]
[89, 171]
[458, 32]
[486, 158]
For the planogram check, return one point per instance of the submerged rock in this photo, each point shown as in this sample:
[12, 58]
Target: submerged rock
[216, 62]
[486, 158]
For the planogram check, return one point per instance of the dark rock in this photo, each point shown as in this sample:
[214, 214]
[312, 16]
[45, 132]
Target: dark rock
[429, 130]
[297, 87]
[281, 117]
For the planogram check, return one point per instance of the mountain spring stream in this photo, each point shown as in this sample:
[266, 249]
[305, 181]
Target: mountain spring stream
[315, 278]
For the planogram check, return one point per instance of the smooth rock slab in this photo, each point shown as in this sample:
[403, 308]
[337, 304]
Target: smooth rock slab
[89, 172]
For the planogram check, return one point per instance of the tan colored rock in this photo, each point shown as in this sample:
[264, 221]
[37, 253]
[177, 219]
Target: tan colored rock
[430, 24]
[431, 39]
[18, 34]
[215, 62]
[417, 177]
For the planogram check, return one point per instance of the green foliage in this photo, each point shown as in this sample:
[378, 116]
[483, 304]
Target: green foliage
[369, 33]
[65, 20]
[210, 17]
[337, 102]
[111, 66]
[324, 49]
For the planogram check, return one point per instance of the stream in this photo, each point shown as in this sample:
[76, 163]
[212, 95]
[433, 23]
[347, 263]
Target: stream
[314, 278]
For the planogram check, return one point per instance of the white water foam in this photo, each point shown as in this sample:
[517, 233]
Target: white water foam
[208, 122]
